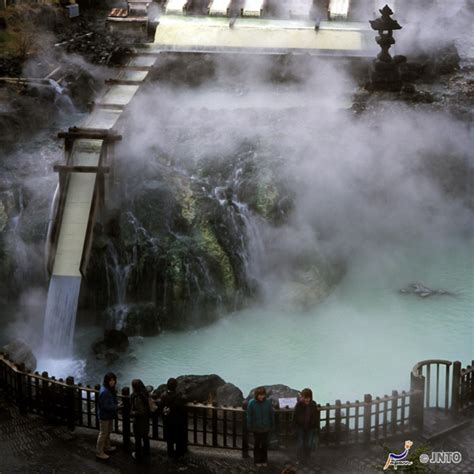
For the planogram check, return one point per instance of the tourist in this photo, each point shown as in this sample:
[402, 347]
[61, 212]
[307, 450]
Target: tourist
[319, 10]
[260, 421]
[107, 411]
[306, 423]
[172, 406]
[140, 413]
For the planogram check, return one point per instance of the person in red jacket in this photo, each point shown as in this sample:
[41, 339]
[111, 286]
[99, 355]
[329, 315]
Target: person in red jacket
[306, 423]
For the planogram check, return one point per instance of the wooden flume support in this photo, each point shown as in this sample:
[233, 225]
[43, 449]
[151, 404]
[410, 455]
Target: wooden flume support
[89, 151]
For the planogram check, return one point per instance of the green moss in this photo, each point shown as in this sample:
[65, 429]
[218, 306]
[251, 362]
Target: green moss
[212, 247]
[267, 197]
[3, 217]
[187, 200]
[8, 44]
[175, 272]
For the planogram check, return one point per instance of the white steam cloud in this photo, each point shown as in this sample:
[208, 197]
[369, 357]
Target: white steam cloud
[358, 184]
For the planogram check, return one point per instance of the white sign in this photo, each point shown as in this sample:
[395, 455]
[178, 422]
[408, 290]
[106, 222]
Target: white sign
[287, 402]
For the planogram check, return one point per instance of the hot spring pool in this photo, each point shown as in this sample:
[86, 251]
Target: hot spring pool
[364, 338]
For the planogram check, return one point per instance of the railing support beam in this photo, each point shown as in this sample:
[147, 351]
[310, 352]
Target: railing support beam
[455, 392]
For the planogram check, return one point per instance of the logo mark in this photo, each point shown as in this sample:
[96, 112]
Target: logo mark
[396, 460]
[441, 457]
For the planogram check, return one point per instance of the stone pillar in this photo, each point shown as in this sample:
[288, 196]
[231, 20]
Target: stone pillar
[385, 74]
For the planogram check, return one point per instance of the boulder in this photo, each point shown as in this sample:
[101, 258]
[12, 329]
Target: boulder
[274, 392]
[196, 388]
[21, 353]
[114, 341]
[141, 319]
[447, 60]
[229, 395]
[111, 356]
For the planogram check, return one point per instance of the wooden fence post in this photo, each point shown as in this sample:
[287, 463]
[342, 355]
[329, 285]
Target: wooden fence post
[21, 389]
[471, 384]
[367, 417]
[70, 403]
[126, 417]
[455, 401]
[318, 425]
[45, 394]
[215, 440]
[337, 428]
[3, 369]
[417, 401]
[245, 434]
[393, 420]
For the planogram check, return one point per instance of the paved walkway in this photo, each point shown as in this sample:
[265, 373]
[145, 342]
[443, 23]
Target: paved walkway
[29, 445]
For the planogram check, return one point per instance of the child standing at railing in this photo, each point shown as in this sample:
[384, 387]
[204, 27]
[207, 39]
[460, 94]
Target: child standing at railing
[306, 423]
[261, 422]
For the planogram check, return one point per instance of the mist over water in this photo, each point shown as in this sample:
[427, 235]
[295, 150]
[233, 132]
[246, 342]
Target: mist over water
[365, 338]
[363, 191]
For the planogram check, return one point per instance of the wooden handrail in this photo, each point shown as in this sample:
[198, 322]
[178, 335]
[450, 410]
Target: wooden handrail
[206, 406]
[348, 423]
[419, 365]
[90, 133]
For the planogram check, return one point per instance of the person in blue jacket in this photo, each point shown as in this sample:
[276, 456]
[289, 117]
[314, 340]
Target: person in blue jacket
[261, 422]
[107, 411]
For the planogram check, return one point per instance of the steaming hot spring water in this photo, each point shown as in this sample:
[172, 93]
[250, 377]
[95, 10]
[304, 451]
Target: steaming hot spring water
[363, 338]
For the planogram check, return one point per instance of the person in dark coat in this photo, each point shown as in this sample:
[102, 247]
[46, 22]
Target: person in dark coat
[261, 422]
[107, 411]
[172, 406]
[140, 413]
[306, 423]
[319, 11]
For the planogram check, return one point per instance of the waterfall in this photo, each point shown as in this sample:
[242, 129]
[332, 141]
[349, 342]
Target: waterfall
[53, 210]
[60, 319]
[118, 273]
[255, 247]
[252, 247]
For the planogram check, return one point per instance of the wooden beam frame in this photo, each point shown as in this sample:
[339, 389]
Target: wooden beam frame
[81, 169]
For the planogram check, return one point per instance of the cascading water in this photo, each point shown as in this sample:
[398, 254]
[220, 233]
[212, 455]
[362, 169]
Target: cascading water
[118, 273]
[252, 247]
[60, 319]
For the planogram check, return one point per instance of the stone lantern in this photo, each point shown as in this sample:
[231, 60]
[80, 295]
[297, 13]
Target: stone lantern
[385, 74]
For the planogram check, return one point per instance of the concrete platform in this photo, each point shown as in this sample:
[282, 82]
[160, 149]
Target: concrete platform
[29, 444]
[213, 34]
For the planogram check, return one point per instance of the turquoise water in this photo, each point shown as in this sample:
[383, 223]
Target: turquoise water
[364, 338]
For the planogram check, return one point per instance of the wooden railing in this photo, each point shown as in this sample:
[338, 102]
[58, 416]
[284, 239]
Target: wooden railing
[446, 384]
[466, 387]
[360, 422]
